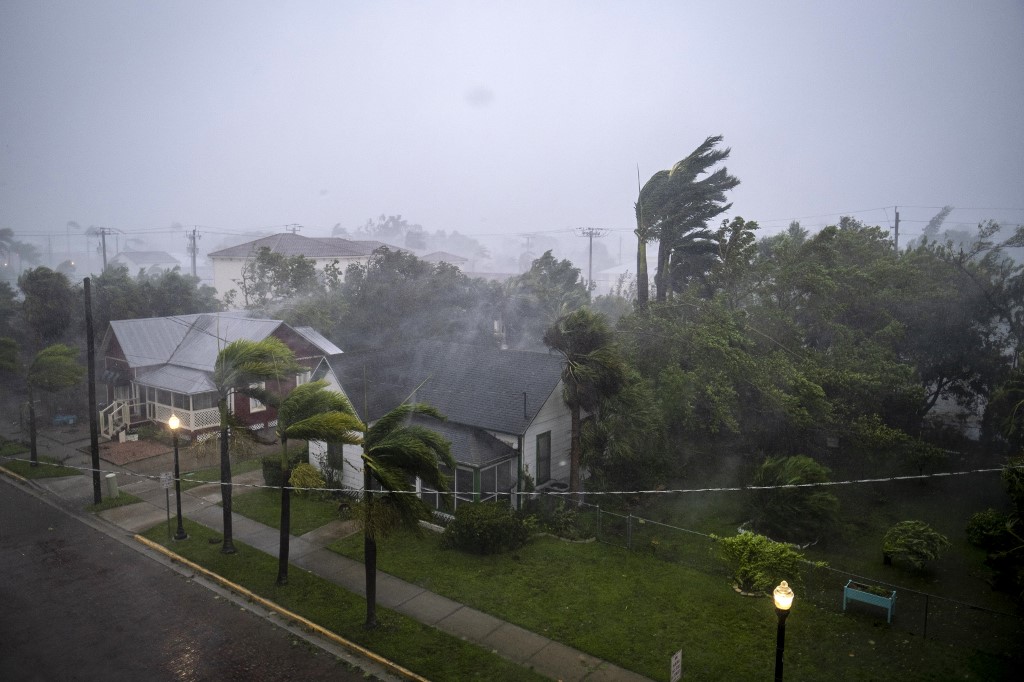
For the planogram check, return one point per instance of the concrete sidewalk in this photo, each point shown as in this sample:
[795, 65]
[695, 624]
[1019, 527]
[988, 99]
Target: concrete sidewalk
[309, 552]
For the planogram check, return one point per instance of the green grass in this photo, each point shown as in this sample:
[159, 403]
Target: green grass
[10, 447]
[264, 505]
[420, 648]
[212, 474]
[121, 500]
[48, 468]
[636, 610]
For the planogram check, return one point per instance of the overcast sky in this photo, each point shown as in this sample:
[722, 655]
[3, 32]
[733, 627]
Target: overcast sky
[502, 117]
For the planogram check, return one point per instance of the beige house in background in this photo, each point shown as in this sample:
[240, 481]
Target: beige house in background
[228, 263]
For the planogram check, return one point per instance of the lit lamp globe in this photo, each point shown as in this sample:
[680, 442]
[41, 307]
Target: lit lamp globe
[783, 596]
[174, 422]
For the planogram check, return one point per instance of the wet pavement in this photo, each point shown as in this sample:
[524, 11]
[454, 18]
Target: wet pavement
[81, 605]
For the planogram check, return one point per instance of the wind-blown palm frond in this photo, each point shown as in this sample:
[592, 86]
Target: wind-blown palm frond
[243, 362]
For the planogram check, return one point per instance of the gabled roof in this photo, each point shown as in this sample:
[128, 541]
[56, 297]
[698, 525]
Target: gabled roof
[145, 258]
[444, 257]
[289, 244]
[487, 388]
[470, 445]
[177, 352]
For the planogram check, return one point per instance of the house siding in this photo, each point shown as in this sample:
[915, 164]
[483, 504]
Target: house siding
[553, 416]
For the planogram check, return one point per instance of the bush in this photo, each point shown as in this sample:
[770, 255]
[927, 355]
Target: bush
[306, 476]
[795, 514]
[486, 528]
[913, 541]
[758, 563]
[986, 529]
[272, 474]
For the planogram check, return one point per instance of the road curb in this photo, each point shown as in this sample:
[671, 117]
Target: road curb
[248, 594]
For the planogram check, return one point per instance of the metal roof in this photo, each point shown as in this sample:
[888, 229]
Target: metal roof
[318, 340]
[177, 379]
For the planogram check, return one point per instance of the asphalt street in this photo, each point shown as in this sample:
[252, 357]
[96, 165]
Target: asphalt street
[76, 604]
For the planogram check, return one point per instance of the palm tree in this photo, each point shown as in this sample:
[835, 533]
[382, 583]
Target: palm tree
[395, 451]
[309, 412]
[673, 203]
[53, 369]
[593, 370]
[244, 366]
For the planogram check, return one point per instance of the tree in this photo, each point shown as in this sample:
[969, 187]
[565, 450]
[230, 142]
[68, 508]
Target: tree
[675, 207]
[594, 369]
[913, 541]
[243, 367]
[792, 513]
[396, 450]
[49, 303]
[536, 299]
[53, 369]
[272, 276]
[309, 412]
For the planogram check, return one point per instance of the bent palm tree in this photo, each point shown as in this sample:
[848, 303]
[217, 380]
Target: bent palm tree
[593, 370]
[242, 367]
[309, 412]
[394, 451]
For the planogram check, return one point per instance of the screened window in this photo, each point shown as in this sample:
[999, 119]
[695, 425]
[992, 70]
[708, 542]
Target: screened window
[255, 405]
[543, 457]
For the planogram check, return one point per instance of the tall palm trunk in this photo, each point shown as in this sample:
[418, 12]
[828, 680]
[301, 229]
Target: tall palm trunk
[575, 487]
[642, 281]
[286, 516]
[369, 554]
[663, 277]
[228, 547]
[33, 453]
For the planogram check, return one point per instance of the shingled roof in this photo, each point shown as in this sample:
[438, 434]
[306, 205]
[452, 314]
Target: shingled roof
[289, 244]
[497, 390]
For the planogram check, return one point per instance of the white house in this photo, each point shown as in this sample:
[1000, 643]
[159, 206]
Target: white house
[228, 263]
[504, 413]
[150, 262]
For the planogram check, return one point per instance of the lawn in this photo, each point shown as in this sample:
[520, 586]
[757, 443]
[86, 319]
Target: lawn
[420, 648]
[264, 505]
[193, 479]
[636, 610]
[48, 467]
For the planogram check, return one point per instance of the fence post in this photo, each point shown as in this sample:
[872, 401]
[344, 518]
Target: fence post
[629, 531]
[925, 634]
[599, 522]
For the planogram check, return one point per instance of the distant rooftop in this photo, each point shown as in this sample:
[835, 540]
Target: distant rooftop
[145, 258]
[289, 244]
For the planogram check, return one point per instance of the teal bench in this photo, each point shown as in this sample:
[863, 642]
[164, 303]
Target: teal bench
[857, 592]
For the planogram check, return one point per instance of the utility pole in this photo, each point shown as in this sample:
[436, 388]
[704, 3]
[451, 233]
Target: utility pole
[103, 238]
[897, 229]
[90, 357]
[193, 248]
[591, 232]
[293, 228]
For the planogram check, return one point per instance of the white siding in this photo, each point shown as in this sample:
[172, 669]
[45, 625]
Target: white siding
[227, 270]
[553, 416]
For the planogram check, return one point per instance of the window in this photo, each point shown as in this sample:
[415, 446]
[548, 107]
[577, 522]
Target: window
[543, 458]
[495, 481]
[303, 377]
[255, 405]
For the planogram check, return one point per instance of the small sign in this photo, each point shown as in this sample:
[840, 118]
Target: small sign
[677, 666]
[167, 479]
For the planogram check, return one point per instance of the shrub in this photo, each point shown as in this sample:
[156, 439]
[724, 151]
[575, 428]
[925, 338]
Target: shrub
[758, 563]
[796, 514]
[986, 529]
[306, 476]
[486, 528]
[913, 541]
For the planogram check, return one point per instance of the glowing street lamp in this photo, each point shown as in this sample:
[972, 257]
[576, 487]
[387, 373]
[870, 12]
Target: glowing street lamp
[783, 596]
[174, 423]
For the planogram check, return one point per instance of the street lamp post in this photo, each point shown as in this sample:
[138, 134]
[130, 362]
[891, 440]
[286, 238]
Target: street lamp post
[783, 596]
[174, 423]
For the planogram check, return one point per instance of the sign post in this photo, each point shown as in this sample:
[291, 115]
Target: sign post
[166, 480]
[677, 666]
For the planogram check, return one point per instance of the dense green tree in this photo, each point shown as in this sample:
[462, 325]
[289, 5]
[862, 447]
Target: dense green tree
[550, 289]
[50, 304]
[273, 277]
[309, 412]
[52, 369]
[397, 450]
[244, 367]
[594, 370]
[914, 542]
